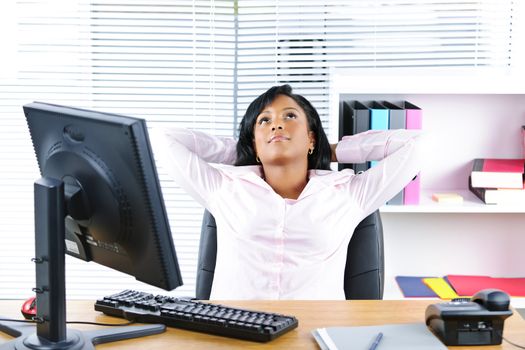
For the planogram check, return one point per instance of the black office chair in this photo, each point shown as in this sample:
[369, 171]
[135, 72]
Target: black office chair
[365, 262]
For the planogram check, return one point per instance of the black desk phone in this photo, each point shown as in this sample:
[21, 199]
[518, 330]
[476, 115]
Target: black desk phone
[476, 321]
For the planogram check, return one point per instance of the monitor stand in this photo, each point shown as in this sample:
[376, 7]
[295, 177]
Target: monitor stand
[51, 332]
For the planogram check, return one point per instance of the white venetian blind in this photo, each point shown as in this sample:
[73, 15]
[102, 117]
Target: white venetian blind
[298, 42]
[170, 62]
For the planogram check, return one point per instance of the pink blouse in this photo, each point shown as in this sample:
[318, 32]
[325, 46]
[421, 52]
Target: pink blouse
[271, 247]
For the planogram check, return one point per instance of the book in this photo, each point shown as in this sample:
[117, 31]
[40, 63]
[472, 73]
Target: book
[497, 173]
[499, 195]
[397, 120]
[407, 336]
[447, 198]
[355, 119]
[414, 120]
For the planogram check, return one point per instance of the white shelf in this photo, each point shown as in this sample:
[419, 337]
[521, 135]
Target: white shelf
[427, 81]
[471, 204]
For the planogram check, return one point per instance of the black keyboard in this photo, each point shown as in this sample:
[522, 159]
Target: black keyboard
[196, 315]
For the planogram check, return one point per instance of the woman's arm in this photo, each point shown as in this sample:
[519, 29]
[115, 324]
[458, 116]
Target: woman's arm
[210, 148]
[373, 144]
[186, 154]
[399, 154]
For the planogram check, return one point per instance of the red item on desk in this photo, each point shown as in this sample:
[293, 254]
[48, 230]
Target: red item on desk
[470, 285]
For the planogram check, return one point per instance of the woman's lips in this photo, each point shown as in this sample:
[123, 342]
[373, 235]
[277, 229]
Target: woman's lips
[278, 138]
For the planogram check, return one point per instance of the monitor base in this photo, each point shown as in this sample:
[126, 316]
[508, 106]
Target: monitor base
[27, 339]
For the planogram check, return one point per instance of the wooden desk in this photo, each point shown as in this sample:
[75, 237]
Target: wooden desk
[311, 314]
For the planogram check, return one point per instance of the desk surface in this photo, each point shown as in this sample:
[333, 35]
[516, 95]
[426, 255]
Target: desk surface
[311, 314]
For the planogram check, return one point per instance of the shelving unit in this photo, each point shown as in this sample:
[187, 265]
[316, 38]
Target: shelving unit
[471, 204]
[465, 116]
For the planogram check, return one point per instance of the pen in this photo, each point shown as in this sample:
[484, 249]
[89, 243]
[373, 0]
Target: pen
[376, 342]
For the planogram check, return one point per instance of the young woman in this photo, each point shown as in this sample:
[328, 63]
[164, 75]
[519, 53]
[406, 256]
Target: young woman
[284, 219]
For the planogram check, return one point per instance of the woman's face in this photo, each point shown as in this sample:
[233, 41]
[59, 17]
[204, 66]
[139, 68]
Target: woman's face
[281, 133]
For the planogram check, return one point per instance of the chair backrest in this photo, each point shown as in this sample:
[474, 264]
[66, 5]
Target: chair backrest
[365, 263]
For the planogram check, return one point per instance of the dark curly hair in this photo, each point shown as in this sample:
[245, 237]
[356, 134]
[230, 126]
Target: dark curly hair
[321, 156]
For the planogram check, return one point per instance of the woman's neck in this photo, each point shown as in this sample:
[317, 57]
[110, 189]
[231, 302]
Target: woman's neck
[287, 181]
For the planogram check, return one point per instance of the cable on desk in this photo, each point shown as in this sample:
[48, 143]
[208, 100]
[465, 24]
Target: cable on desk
[508, 341]
[73, 322]
[511, 343]
[21, 321]
[101, 324]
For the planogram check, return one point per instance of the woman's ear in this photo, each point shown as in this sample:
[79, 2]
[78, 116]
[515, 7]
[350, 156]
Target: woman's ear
[311, 136]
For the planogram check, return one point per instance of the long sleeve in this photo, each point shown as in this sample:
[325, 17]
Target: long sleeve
[373, 144]
[399, 155]
[186, 154]
[209, 148]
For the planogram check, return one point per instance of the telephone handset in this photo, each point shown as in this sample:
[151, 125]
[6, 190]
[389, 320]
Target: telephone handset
[475, 321]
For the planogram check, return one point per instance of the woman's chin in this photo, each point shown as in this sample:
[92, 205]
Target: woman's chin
[284, 160]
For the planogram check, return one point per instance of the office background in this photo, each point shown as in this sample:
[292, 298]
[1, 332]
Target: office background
[198, 64]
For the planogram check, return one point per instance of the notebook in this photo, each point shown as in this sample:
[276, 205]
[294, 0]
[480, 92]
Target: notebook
[410, 336]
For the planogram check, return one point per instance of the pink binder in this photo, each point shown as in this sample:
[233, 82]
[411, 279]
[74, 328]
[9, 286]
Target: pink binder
[414, 116]
[523, 139]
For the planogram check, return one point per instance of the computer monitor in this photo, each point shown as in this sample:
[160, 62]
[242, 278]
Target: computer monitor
[99, 199]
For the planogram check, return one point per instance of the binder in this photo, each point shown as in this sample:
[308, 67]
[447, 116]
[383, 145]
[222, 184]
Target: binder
[378, 119]
[397, 115]
[414, 116]
[397, 120]
[355, 119]
[523, 140]
[378, 116]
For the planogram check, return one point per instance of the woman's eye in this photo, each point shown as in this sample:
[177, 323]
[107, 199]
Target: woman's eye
[263, 120]
[291, 115]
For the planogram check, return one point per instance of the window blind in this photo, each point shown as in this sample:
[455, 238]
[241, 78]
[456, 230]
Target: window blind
[300, 41]
[198, 64]
[169, 62]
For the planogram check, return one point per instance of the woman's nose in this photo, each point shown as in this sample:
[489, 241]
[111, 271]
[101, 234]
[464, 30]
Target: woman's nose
[277, 125]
